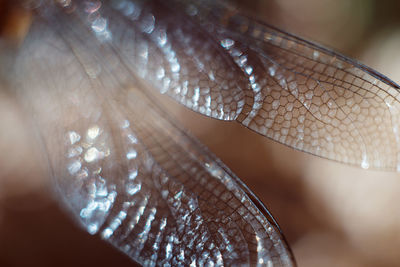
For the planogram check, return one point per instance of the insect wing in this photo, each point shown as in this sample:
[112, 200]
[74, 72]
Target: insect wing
[306, 96]
[123, 169]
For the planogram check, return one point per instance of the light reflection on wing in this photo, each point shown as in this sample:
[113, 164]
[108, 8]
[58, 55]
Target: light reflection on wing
[306, 96]
[177, 57]
[123, 169]
[218, 62]
[311, 98]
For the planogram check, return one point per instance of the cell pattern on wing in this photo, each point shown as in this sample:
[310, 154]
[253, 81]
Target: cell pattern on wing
[218, 62]
[122, 168]
[309, 97]
[290, 90]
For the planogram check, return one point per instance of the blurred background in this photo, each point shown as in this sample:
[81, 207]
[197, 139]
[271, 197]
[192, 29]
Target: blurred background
[331, 214]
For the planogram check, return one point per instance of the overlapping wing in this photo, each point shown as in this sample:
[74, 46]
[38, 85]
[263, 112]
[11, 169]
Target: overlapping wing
[123, 169]
[218, 62]
[274, 83]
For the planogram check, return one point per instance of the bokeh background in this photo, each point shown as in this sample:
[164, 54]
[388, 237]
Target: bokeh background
[331, 214]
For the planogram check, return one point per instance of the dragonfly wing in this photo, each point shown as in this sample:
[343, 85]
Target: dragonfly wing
[306, 96]
[279, 85]
[124, 170]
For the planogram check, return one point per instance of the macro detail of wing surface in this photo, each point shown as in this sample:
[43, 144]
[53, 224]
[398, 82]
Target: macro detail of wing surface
[306, 96]
[123, 169]
[276, 84]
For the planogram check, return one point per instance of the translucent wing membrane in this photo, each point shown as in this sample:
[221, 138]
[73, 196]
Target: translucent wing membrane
[220, 63]
[126, 172]
[123, 169]
[306, 96]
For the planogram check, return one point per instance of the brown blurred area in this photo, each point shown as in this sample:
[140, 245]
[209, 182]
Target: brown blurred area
[331, 214]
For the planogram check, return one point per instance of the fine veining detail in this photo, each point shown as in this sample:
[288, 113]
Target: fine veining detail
[127, 172]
